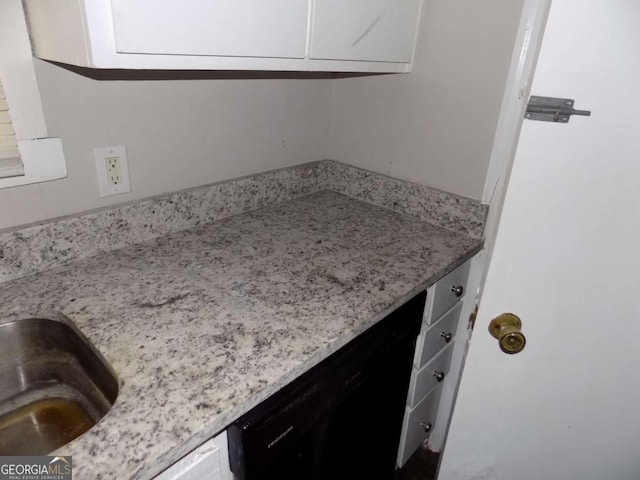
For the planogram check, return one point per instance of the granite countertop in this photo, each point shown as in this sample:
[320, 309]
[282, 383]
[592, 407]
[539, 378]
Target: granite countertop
[203, 324]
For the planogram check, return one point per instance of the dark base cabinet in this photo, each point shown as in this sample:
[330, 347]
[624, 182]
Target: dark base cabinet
[340, 420]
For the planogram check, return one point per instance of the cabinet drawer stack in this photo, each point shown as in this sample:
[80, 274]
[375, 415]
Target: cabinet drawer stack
[432, 359]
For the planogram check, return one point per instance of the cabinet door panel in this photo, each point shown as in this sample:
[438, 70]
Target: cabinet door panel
[240, 28]
[365, 30]
[209, 460]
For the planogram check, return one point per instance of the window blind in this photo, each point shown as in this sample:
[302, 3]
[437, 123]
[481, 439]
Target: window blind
[10, 162]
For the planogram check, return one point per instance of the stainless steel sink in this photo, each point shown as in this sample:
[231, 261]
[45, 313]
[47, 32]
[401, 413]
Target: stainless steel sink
[54, 385]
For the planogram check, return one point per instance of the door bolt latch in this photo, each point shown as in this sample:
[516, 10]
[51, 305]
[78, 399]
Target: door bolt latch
[549, 109]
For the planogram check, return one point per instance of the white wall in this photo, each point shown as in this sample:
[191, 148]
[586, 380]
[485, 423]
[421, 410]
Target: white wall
[178, 133]
[436, 125]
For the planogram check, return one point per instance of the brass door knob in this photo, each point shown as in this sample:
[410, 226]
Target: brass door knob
[506, 328]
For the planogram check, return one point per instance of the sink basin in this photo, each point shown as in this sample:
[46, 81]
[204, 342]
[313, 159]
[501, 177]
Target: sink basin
[54, 385]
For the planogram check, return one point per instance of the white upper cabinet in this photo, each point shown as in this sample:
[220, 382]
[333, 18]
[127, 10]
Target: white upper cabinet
[365, 30]
[293, 35]
[234, 28]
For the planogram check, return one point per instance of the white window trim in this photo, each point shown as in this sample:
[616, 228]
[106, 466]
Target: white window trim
[43, 157]
[10, 163]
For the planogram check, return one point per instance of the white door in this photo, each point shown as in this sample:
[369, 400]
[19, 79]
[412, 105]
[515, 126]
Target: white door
[567, 261]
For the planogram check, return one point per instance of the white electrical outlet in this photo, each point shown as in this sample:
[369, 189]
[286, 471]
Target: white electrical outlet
[112, 169]
[114, 177]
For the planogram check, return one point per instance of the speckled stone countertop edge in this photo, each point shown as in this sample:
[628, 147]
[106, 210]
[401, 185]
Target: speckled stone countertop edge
[296, 280]
[40, 246]
[223, 422]
[438, 207]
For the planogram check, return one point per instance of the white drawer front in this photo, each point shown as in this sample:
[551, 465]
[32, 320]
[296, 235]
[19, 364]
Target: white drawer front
[425, 379]
[447, 291]
[208, 461]
[418, 423]
[437, 336]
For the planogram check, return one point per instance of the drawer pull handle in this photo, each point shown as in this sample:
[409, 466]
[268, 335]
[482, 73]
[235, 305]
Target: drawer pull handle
[457, 291]
[439, 375]
[426, 426]
[447, 336]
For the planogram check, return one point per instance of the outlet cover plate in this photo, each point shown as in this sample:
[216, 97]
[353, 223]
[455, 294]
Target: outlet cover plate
[100, 156]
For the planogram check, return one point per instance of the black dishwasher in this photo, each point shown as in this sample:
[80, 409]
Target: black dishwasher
[341, 419]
